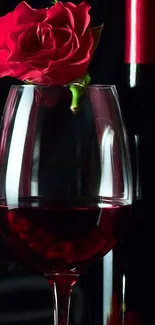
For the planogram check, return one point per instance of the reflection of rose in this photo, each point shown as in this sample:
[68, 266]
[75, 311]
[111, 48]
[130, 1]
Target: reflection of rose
[46, 46]
[50, 248]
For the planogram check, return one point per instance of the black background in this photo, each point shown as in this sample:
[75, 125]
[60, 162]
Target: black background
[137, 106]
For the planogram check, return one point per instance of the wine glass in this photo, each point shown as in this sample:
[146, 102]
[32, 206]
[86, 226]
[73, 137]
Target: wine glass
[65, 181]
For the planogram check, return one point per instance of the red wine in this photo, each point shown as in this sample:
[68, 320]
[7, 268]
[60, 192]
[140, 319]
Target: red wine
[61, 237]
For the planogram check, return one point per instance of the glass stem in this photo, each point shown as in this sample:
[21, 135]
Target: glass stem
[61, 288]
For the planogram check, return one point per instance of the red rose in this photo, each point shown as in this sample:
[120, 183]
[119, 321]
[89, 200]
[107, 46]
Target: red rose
[46, 46]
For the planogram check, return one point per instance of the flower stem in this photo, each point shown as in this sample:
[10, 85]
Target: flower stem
[77, 89]
[54, 2]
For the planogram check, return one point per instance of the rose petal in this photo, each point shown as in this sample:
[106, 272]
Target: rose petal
[59, 16]
[30, 75]
[47, 46]
[23, 71]
[51, 54]
[21, 42]
[61, 36]
[41, 80]
[25, 14]
[4, 54]
[12, 37]
[62, 73]
[28, 43]
[6, 23]
[43, 55]
[85, 50]
[37, 64]
[69, 47]
[81, 16]
[54, 73]
[45, 36]
[66, 43]
[4, 70]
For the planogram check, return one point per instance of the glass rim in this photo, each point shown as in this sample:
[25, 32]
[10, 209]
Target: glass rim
[98, 86]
